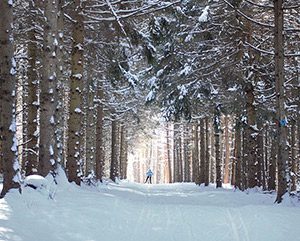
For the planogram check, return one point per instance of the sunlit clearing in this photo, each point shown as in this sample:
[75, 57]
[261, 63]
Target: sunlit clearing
[151, 151]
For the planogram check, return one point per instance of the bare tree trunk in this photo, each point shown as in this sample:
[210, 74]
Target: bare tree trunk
[217, 127]
[99, 152]
[244, 160]
[61, 87]
[272, 164]
[186, 154]
[251, 136]
[280, 98]
[30, 164]
[180, 154]
[48, 95]
[114, 167]
[294, 166]
[10, 163]
[123, 154]
[260, 153]
[169, 170]
[266, 157]
[175, 154]
[227, 150]
[212, 176]
[196, 169]
[90, 125]
[202, 152]
[237, 167]
[76, 88]
[207, 158]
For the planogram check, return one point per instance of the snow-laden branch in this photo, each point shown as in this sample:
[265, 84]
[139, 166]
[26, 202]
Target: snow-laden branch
[130, 13]
[259, 49]
[260, 5]
[118, 20]
[247, 17]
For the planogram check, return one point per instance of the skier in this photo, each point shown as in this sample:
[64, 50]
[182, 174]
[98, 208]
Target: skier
[149, 174]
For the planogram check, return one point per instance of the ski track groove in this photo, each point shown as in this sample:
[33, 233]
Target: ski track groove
[187, 224]
[233, 226]
[237, 225]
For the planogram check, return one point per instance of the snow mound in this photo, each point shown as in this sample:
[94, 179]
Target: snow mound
[36, 182]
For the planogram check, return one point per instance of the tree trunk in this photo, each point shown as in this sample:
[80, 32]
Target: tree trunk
[61, 87]
[186, 154]
[237, 166]
[272, 164]
[217, 128]
[202, 152]
[265, 157]
[196, 169]
[244, 159]
[212, 176]
[123, 154]
[180, 153]
[8, 138]
[76, 88]
[280, 98]
[251, 136]
[90, 125]
[99, 152]
[114, 167]
[206, 178]
[260, 153]
[48, 95]
[175, 154]
[294, 166]
[227, 150]
[30, 164]
[169, 170]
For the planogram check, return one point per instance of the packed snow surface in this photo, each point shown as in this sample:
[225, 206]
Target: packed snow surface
[143, 212]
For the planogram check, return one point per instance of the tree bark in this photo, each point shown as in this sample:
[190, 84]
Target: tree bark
[260, 154]
[90, 125]
[175, 153]
[272, 164]
[237, 166]
[244, 159]
[207, 156]
[251, 136]
[62, 94]
[99, 152]
[196, 169]
[8, 138]
[123, 154]
[280, 100]
[30, 163]
[114, 167]
[294, 166]
[169, 170]
[202, 152]
[217, 128]
[48, 95]
[186, 154]
[76, 88]
[227, 150]
[180, 153]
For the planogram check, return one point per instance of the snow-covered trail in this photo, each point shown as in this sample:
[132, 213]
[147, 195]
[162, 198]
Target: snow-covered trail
[137, 212]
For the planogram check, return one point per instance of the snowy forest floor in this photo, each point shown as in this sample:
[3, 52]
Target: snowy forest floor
[143, 212]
